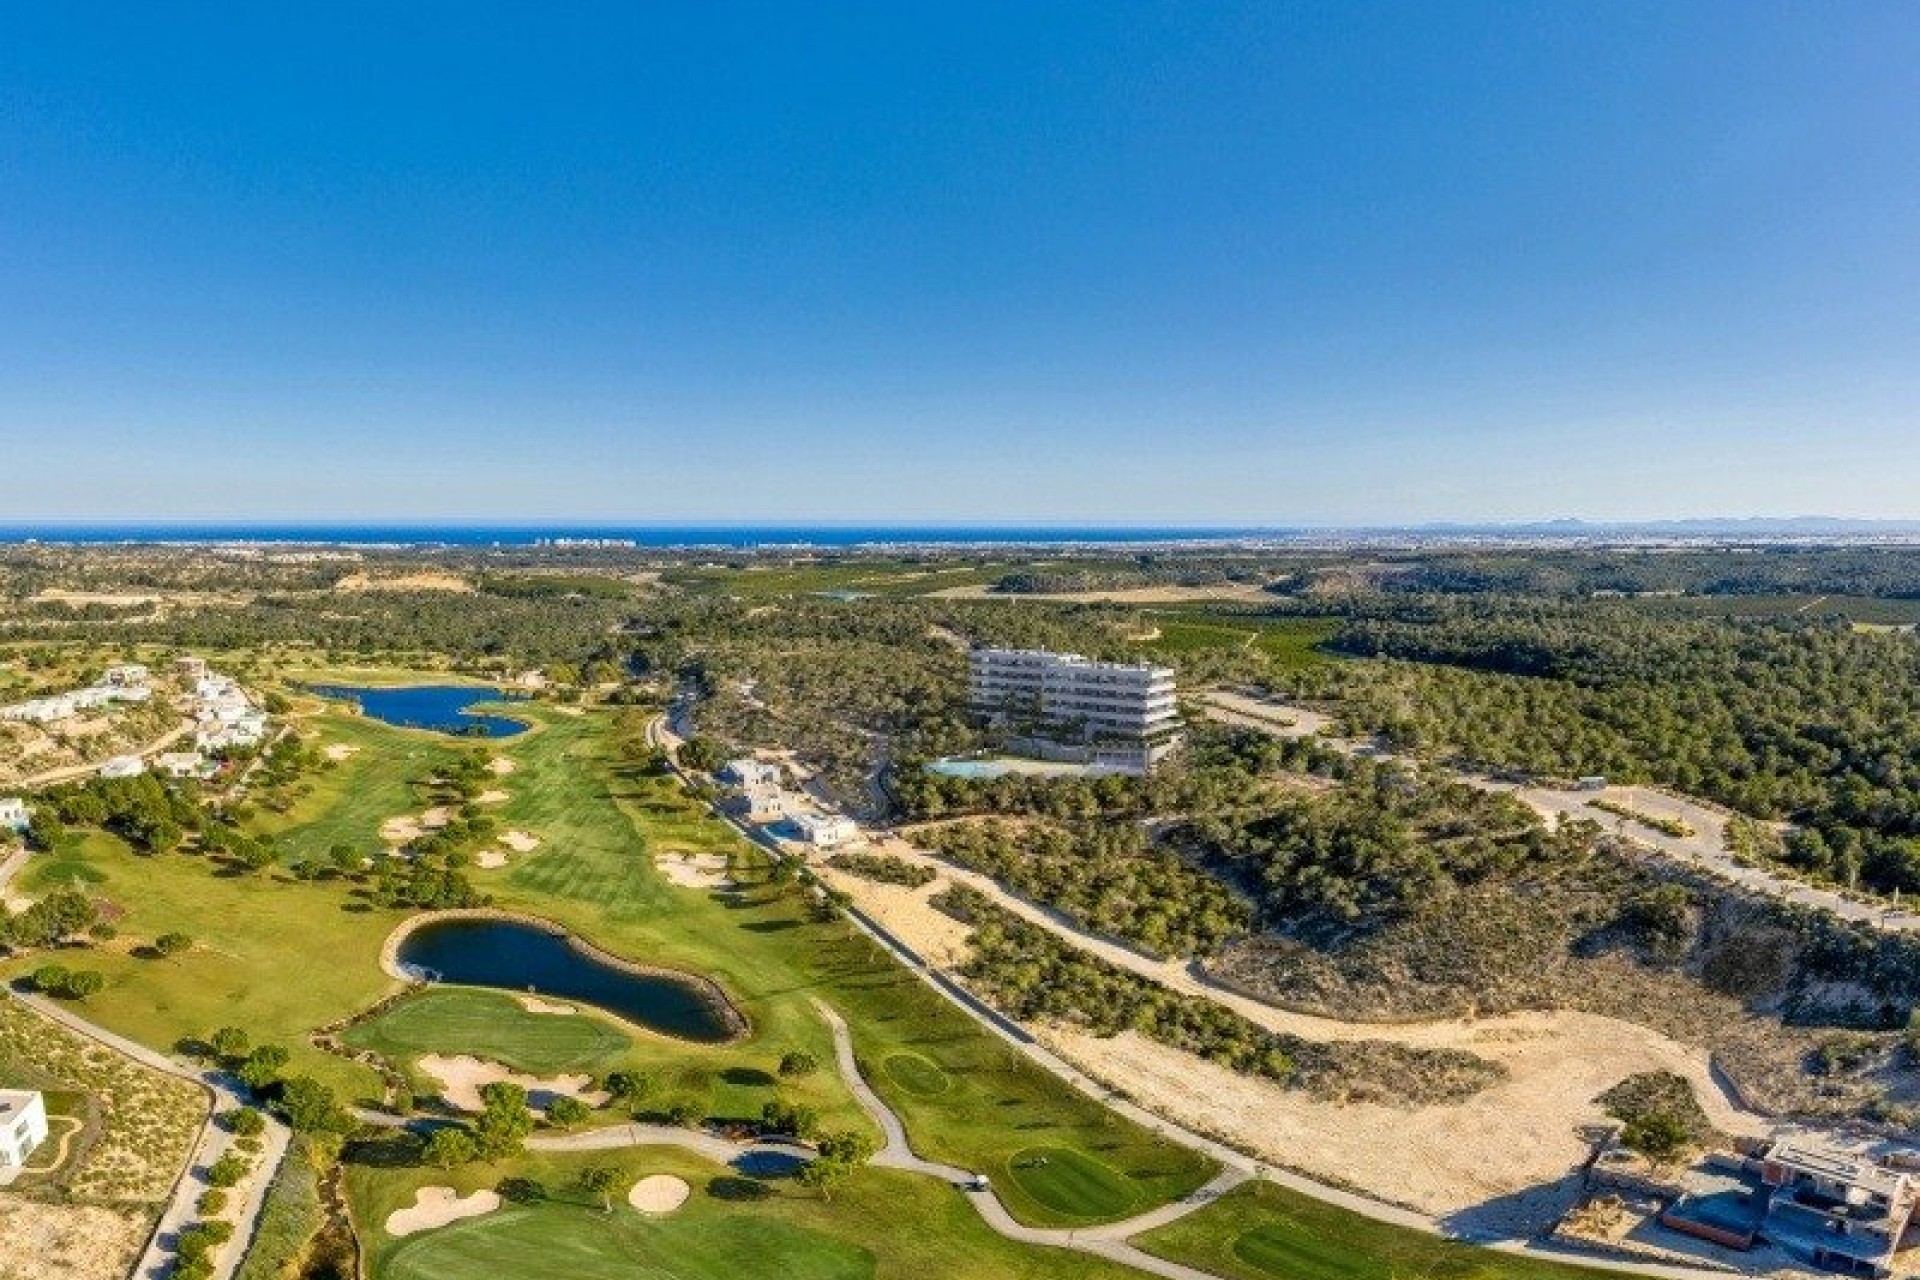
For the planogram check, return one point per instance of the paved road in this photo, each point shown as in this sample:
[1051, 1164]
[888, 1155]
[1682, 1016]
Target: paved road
[243, 1202]
[1704, 850]
[1023, 1041]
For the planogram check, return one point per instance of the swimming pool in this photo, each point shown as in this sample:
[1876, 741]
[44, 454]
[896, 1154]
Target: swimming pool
[981, 768]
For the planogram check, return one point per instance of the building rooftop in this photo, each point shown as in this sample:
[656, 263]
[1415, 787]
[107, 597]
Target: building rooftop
[14, 1101]
[1835, 1165]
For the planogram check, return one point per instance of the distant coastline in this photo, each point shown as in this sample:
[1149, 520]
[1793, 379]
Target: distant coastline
[831, 537]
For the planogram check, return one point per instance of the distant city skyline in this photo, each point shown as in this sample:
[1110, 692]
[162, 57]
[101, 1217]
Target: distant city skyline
[1098, 264]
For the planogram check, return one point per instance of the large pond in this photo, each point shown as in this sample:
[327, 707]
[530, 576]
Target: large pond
[528, 957]
[445, 708]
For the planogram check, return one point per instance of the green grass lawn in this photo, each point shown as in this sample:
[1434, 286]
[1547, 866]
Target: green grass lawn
[272, 954]
[1288, 644]
[873, 577]
[489, 1024]
[881, 1223]
[1261, 1231]
[347, 802]
[916, 1075]
[1073, 1184]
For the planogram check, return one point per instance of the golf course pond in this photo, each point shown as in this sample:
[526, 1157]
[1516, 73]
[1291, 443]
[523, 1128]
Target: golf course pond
[541, 959]
[443, 708]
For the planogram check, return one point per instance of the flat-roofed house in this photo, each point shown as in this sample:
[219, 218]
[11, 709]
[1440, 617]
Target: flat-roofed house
[748, 772]
[123, 767]
[23, 1125]
[1834, 1207]
[823, 830]
[14, 814]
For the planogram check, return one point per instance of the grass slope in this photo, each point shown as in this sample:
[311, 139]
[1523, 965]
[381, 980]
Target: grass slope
[718, 1235]
[489, 1024]
[1262, 1231]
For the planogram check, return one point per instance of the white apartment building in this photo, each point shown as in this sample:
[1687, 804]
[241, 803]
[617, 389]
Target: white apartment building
[1121, 714]
[14, 814]
[23, 1125]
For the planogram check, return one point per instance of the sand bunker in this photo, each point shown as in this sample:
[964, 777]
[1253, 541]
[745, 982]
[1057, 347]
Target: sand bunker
[695, 870]
[501, 766]
[461, 1079]
[534, 1004]
[436, 1207]
[490, 859]
[338, 751]
[404, 829]
[658, 1193]
[492, 797]
[520, 841]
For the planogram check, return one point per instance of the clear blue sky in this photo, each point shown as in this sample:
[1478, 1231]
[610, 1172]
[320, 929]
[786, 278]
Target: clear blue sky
[1121, 262]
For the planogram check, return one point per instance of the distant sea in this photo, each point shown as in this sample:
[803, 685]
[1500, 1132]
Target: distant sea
[725, 536]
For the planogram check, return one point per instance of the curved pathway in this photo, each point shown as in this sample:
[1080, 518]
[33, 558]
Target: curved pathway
[215, 1141]
[1107, 1241]
[660, 733]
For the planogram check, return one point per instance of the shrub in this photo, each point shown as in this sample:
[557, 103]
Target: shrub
[798, 1063]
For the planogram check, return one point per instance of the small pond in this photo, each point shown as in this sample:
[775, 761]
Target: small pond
[520, 956]
[443, 708]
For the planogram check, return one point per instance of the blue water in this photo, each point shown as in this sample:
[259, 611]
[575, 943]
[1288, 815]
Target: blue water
[656, 536]
[441, 707]
[525, 957]
[975, 769]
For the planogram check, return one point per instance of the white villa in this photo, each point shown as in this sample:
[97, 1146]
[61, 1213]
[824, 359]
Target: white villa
[183, 764]
[14, 814]
[748, 772]
[23, 1125]
[823, 830]
[123, 767]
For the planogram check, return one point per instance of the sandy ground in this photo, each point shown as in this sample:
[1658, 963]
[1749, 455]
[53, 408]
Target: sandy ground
[658, 1193]
[428, 581]
[462, 1077]
[67, 1241]
[1497, 1162]
[403, 829]
[490, 859]
[492, 797]
[520, 841]
[695, 870]
[501, 766]
[436, 1207]
[338, 751]
[937, 938]
[1491, 1155]
[534, 1004]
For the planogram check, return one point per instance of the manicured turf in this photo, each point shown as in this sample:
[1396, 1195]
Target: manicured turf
[1266, 1232]
[585, 1243]
[916, 1075]
[1287, 643]
[880, 1223]
[1072, 1184]
[488, 1024]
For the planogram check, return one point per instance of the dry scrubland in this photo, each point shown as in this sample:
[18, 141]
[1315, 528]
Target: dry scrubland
[88, 1219]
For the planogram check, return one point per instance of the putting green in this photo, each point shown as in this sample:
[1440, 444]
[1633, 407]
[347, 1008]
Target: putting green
[492, 1025]
[538, 1242]
[916, 1075]
[1071, 1183]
